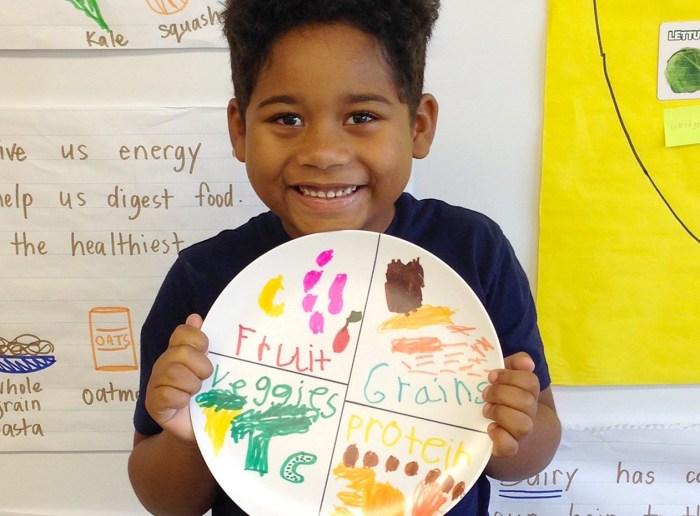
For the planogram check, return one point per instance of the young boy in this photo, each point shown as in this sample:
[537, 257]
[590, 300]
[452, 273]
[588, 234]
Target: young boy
[328, 116]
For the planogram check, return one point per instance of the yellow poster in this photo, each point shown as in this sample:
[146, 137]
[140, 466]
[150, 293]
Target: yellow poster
[619, 269]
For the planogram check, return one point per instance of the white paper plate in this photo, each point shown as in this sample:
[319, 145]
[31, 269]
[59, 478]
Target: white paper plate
[337, 390]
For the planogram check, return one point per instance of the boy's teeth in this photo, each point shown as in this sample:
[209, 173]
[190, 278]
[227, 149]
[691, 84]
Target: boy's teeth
[330, 194]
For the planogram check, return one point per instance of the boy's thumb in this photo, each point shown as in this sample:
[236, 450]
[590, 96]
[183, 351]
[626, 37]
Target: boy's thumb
[520, 362]
[194, 320]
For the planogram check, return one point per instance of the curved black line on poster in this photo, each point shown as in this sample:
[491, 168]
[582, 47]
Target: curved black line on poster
[626, 132]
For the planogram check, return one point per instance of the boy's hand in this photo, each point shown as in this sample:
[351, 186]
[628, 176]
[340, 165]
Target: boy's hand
[177, 376]
[511, 402]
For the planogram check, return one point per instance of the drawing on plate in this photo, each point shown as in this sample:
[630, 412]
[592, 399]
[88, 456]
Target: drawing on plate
[260, 426]
[289, 469]
[342, 338]
[404, 286]
[266, 299]
[273, 409]
[25, 353]
[431, 357]
[429, 354]
[335, 292]
[310, 300]
[220, 407]
[226, 414]
[258, 411]
[372, 496]
[92, 10]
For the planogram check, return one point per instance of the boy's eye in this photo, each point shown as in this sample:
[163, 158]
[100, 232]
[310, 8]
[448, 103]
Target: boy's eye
[360, 118]
[288, 119]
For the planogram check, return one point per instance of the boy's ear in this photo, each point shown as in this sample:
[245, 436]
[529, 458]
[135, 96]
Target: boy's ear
[424, 126]
[236, 130]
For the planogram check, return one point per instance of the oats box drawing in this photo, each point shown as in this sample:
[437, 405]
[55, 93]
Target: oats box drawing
[112, 339]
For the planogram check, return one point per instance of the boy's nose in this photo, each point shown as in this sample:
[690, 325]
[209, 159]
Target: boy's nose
[323, 148]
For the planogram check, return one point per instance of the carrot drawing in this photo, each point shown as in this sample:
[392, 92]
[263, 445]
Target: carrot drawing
[342, 338]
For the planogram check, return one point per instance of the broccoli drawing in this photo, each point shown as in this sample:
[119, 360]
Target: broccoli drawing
[220, 407]
[260, 426]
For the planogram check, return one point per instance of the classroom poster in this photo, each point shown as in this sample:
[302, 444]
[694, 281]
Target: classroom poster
[640, 471]
[94, 206]
[619, 258]
[110, 24]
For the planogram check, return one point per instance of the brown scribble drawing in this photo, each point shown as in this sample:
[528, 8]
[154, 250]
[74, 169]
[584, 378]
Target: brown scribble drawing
[25, 353]
[167, 7]
[381, 498]
[112, 339]
[404, 286]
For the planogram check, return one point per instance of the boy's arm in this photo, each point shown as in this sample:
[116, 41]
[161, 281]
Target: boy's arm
[170, 476]
[167, 471]
[535, 451]
[526, 430]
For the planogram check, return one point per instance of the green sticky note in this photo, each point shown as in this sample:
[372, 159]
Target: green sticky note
[682, 125]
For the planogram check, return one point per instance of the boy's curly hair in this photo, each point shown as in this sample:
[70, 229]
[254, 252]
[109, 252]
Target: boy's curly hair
[402, 28]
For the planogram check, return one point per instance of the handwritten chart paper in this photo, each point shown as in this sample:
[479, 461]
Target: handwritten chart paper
[110, 24]
[94, 206]
[616, 472]
[348, 379]
[620, 212]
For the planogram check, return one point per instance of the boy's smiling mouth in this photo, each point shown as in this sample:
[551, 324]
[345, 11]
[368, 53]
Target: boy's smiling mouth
[326, 193]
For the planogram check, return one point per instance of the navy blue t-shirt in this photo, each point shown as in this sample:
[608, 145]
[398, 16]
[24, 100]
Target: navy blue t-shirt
[472, 244]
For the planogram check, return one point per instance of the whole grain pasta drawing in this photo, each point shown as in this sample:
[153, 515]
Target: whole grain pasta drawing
[25, 353]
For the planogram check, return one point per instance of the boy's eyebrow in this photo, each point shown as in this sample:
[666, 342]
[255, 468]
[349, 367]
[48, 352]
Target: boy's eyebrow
[366, 97]
[277, 99]
[352, 98]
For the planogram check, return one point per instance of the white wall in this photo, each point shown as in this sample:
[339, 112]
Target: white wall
[487, 71]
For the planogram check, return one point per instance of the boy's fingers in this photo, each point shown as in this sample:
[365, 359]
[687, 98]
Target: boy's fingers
[522, 380]
[517, 424]
[504, 445]
[520, 362]
[186, 377]
[194, 320]
[189, 334]
[511, 396]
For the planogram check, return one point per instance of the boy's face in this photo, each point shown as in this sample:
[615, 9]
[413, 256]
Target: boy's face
[327, 143]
